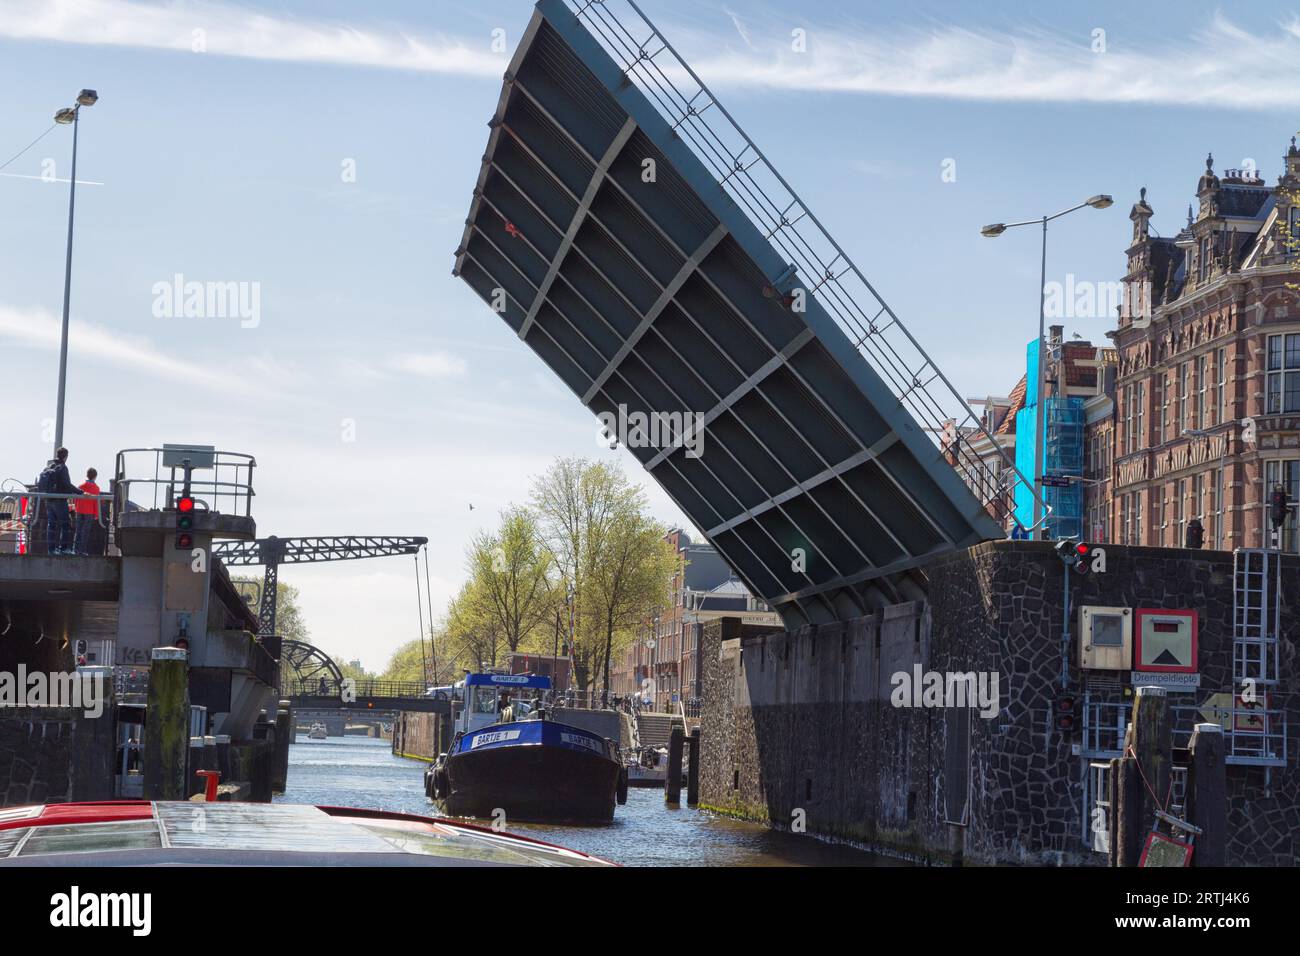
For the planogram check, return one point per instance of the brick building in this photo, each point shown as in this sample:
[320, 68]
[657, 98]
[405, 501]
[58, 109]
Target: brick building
[664, 657]
[1208, 394]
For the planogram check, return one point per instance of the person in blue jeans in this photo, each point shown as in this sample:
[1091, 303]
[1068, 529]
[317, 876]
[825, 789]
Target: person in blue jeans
[55, 480]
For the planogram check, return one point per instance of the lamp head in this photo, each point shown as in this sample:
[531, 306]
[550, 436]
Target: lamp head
[65, 116]
[87, 97]
[993, 229]
[1100, 202]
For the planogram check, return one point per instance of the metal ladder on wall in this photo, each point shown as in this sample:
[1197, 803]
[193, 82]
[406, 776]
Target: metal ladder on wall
[1256, 615]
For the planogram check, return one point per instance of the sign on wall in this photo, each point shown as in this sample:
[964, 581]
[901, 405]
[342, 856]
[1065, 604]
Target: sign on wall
[1165, 641]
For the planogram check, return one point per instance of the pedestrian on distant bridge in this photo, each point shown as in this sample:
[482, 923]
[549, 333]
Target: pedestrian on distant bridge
[54, 480]
[87, 511]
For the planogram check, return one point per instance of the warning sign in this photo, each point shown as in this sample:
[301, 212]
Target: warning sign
[1165, 641]
[1250, 717]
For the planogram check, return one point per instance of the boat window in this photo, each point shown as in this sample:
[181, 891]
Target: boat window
[485, 700]
[90, 837]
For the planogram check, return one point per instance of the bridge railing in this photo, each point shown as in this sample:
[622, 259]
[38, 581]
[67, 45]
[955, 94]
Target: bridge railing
[354, 688]
[819, 264]
[152, 478]
[25, 520]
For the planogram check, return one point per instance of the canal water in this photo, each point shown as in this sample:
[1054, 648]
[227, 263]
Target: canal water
[361, 772]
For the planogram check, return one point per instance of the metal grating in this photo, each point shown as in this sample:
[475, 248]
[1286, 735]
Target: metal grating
[713, 291]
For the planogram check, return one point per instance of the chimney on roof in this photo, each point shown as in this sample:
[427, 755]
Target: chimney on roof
[1054, 334]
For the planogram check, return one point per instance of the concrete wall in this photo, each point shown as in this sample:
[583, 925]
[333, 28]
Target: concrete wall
[804, 722]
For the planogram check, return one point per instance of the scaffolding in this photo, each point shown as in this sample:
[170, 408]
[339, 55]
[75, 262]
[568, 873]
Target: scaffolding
[1063, 457]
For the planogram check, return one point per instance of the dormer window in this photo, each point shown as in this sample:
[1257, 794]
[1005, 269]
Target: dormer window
[1203, 247]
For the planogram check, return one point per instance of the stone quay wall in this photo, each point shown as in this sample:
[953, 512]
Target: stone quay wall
[799, 729]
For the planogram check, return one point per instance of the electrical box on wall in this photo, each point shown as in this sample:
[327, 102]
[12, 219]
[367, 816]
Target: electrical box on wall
[1105, 638]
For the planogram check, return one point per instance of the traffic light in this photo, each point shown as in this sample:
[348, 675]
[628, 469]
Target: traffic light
[1065, 551]
[1083, 557]
[1075, 554]
[1065, 712]
[1277, 506]
[184, 523]
[1195, 534]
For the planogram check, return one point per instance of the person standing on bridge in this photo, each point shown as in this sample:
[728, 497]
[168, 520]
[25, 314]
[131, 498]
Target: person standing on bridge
[54, 480]
[87, 511]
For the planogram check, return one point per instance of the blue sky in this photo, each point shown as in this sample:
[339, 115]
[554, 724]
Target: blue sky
[227, 164]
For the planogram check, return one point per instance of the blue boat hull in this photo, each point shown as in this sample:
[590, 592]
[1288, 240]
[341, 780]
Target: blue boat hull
[532, 771]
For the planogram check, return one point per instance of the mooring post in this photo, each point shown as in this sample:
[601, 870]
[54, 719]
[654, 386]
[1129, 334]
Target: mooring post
[1207, 795]
[693, 771]
[167, 724]
[1144, 773]
[283, 734]
[673, 782]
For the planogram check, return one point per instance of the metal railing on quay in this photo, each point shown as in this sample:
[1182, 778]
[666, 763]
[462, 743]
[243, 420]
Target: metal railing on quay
[153, 478]
[28, 522]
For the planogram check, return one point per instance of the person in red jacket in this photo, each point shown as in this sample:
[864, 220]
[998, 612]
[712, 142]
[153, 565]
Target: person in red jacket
[87, 511]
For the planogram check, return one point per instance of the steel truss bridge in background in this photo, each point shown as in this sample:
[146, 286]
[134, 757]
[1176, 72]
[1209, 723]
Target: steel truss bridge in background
[319, 684]
[270, 553]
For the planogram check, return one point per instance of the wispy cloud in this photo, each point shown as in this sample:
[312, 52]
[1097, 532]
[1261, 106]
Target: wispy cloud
[36, 328]
[225, 29]
[1219, 64]
[429, 364]
[1216, 64]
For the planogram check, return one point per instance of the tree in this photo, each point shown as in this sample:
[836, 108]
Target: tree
[509, 573]
[634, 575]
[609, 552]
[473, 635]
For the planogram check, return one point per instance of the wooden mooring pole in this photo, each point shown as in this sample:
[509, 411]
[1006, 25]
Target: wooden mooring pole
[693, 771]
[1207, 795]
[673, 782]
[167, 724]
[1141, 778]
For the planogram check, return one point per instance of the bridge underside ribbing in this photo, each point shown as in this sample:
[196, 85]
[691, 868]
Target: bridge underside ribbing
[615, 255]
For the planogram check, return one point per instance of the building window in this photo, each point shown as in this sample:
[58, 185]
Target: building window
[1283, 374]
[1140, 392]
[1137, 517]
[1180, 412]
[1287, 473]
[1162, 515]
[1217, 509]
[1180, 512]
[1129, 436]
[1202, 392]
[1203, 258]
[1220, 381]
[1161, 390]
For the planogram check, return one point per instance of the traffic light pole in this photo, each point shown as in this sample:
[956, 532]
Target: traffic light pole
[1065, 629]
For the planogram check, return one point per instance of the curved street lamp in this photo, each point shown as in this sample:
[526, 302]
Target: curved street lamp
[991, 231]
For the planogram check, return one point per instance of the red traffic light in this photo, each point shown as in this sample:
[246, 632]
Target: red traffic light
[184, 540]
[1081, 549]
[184, 503]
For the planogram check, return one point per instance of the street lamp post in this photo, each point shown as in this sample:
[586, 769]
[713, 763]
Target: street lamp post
[69, 114]
[992, 231]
